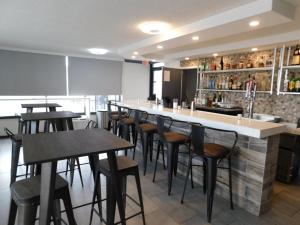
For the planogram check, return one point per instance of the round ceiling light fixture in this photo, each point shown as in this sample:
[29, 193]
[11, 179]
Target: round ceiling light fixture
[159, 47]
[98, 51]
[133, 57]
[187, 58]
[254, 49]
[215, 54]
[195, 38]
[135, 53]
[254, 23]
[154, 27]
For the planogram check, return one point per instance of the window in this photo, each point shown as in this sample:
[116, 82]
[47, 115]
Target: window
[11, 105]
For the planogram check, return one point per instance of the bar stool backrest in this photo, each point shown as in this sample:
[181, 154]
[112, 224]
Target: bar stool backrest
[91, 125]
[298, 123]
[109, 109]
[198, 138]
[161, 125]
[139, 117]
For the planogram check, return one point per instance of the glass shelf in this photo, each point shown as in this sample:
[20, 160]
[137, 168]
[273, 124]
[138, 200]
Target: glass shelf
[237, 91]
[239, 70]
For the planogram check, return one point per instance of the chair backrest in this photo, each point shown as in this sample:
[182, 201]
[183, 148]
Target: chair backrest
[91, 125]
[298, 123]
[109, 108]
[161, 125]
[139, 117]
[198, 138]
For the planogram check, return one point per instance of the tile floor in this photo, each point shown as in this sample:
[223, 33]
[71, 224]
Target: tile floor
[160, 208]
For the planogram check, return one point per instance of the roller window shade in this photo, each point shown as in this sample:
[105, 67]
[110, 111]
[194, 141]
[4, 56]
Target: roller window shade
[31, 74]
[94, 76]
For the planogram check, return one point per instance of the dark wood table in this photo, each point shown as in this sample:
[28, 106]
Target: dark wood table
[61, 120]
[29, 107]
[48, 148]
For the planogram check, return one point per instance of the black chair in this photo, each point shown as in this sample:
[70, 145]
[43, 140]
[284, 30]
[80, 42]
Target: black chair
[146, 131]
[212, 155]
[173, 140]
[126, 126]
[298, 123]
[113, 117]
[16, 140]
[25, 198]
[126, 167]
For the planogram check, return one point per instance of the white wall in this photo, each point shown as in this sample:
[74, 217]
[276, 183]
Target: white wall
[135, 81]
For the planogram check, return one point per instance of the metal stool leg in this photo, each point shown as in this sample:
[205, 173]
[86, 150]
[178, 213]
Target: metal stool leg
[145, 141]
[230, 182]
[26, 214]
[157, 156]
[56, 212]
[138, 185]
[79, 170]
[12, 212]
[189, 168]
[170, 165]
[211, 184]
[68, 206]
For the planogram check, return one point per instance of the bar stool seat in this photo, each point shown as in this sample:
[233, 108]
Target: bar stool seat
[174, 137]
[25, 198]
[148, 128]
[123, 162]
[28, 190]
[215, 150]
[127, 120]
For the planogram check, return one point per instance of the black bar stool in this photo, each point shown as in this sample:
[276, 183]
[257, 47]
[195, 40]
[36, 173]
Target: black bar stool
[212, 155]
[126, 125]
[146, 131]
[173, 140]
[126, 167]
[113, 118]
[25, 198]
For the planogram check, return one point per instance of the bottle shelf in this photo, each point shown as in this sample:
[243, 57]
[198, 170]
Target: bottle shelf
[289, 93]
[237, 91]
[238, 70]
[291, 67]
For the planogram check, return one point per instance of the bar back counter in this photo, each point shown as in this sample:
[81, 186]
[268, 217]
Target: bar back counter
[254, 164]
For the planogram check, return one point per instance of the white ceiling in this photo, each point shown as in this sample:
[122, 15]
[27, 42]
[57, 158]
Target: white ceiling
[71, 26]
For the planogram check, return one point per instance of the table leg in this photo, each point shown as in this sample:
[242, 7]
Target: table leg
[116, 184]
[48, 177]
[211, 178]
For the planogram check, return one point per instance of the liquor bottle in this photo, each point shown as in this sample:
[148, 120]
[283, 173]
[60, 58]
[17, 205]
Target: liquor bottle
[286, 82]
[296, 56]
[269, 61]
[227, 83]
[222, 63]
[292, 84]
[230, 83]
[261, 62]
[297, 85]
[223, 82]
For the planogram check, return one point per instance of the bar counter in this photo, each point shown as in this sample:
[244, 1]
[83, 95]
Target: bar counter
[254, 164]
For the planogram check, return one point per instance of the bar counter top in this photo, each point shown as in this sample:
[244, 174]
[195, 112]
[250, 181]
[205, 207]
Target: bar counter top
[244, 126]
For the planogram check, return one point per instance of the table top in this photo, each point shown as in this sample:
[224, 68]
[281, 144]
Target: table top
[244, 126]
[49, 147]
[40, 105]
[48, 115]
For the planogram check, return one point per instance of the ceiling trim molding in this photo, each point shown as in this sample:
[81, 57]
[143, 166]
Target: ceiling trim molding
[273, 40]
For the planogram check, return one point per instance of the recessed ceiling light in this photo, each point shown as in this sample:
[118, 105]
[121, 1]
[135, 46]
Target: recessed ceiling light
[136, 53]
[159, 46]
[254, 23]
[133, 57]
[215, 54]
[195, 38]
[187, 58]
[98, 51]
[153, 60]
[154, 27]
[254, 49]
